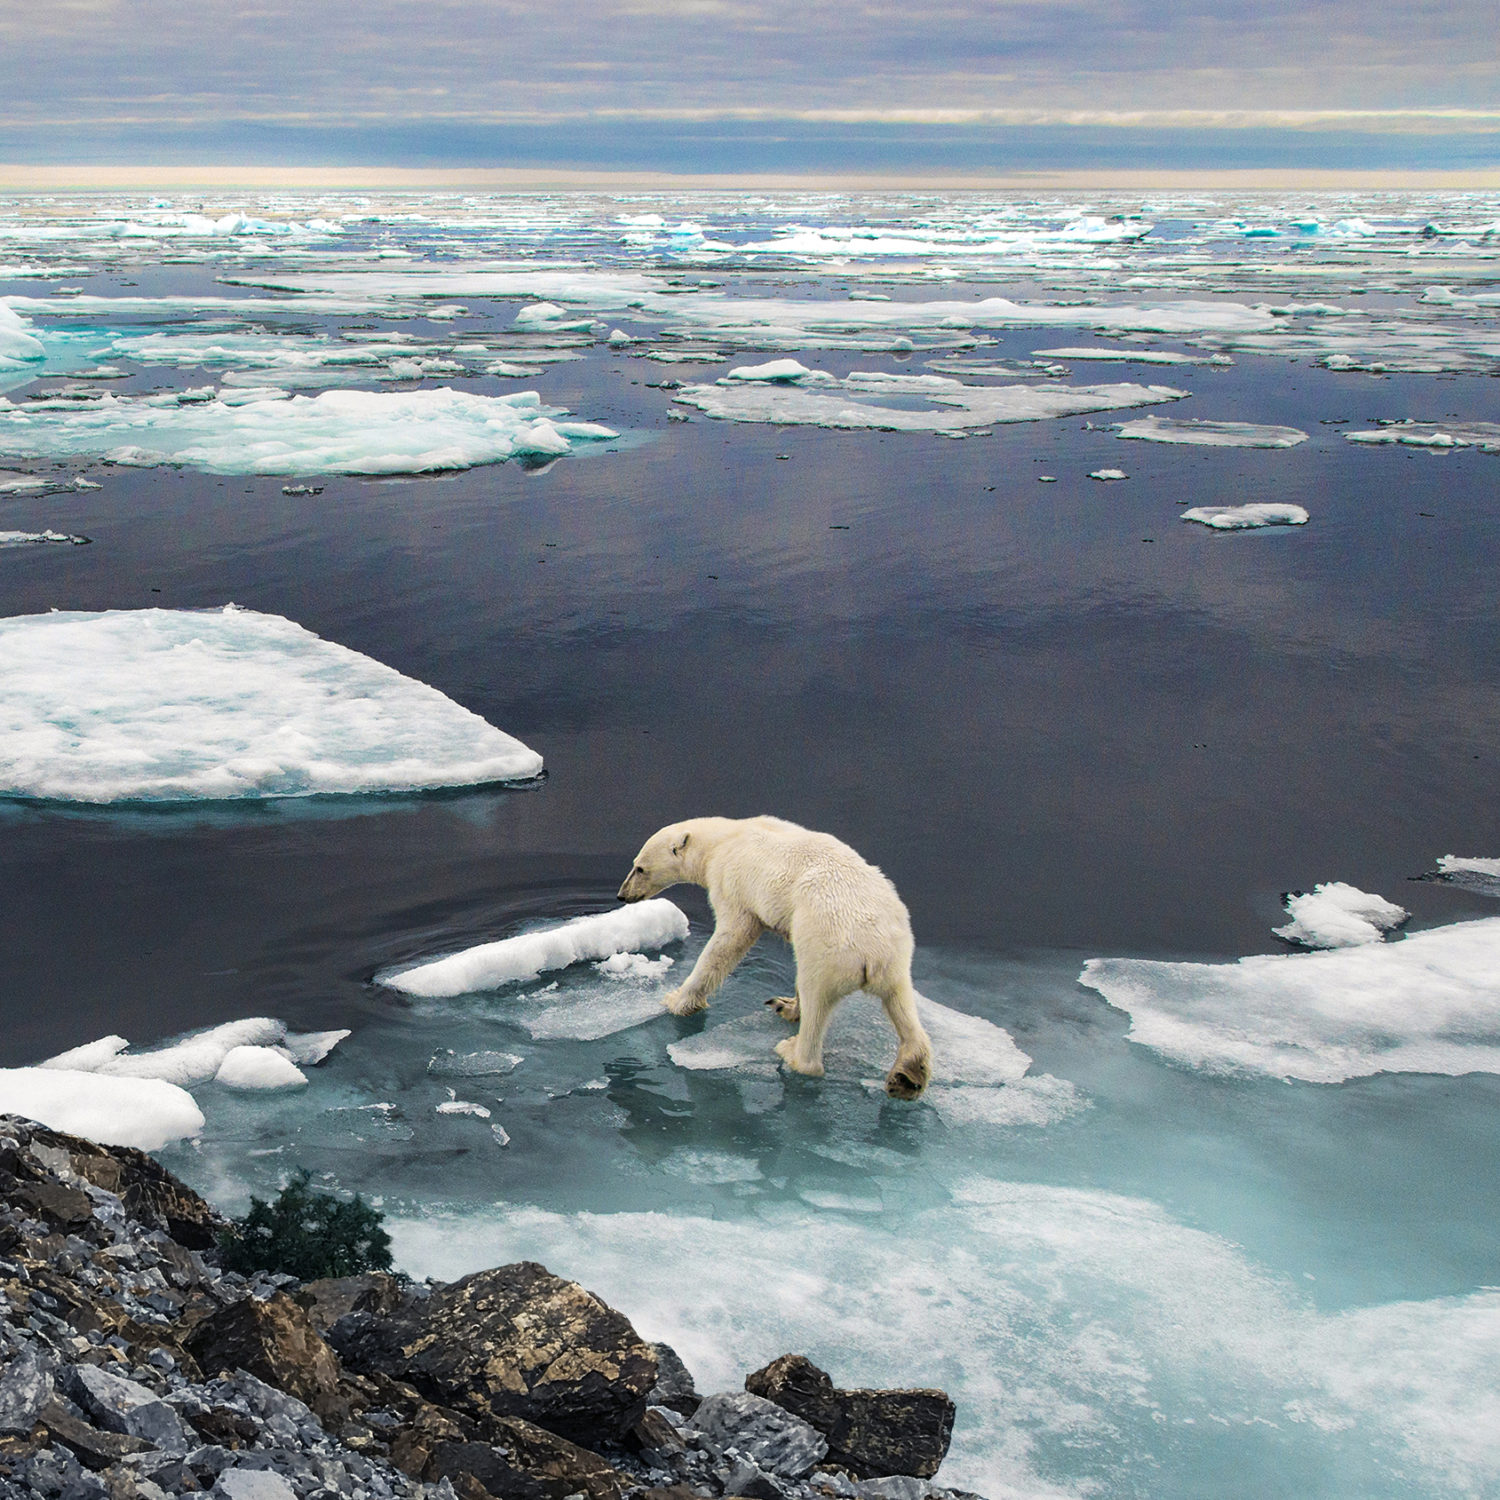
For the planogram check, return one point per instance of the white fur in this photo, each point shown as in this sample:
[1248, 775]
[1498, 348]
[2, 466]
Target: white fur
[848, 928]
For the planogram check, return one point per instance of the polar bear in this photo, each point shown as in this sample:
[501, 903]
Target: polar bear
[848, 928]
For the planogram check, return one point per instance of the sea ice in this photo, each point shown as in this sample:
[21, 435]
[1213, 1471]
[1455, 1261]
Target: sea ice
[1246, 517]
[1124, 354]
[1428, 1004]
[259, 1068]
[169, 705]
[19, 345]
[145, 1113]
[27, 538]
[631, 929]
[1107, 474]
[1154, 429]
[1480, 875]
[886, 402]
[1337, 915]
[1482, 435]
[258, 432]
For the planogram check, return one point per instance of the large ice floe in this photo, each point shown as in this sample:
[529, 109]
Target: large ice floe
[268, 432]
[1198, 433]
[1254, 516]
[143, 1112]
[171, 705]
[1429, 1003]
[1474, 874]
[1435, 436]
[783, 391]
[635, 929]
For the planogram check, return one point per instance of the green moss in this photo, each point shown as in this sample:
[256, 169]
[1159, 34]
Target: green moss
[307, 1234]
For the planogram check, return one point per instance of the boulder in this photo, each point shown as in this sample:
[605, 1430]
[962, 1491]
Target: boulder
[125, 1406]
[333, 1297]
[870, 1433]
[674, 1384]
[93, 1447]
[25, 1388]
[524, 1462]
[771, 1437]
[276, 1342]
[516, 1341]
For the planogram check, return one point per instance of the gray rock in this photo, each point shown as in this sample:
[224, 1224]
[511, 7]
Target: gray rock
[158, 1424]
[105, 1397]
[253, 1484]
[757, 1429]
[674, 1385]
[894, 1487]
[26, 1386]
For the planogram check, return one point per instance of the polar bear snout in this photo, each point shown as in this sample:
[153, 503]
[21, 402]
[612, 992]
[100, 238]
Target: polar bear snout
[637, 886]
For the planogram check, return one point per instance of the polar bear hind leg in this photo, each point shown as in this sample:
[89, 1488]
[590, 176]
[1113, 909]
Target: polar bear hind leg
[788, 1007]
[913, 1068]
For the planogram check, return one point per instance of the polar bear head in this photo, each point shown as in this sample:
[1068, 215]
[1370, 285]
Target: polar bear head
[661, 862]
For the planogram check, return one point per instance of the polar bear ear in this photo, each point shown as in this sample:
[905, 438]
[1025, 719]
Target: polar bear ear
[678, 848]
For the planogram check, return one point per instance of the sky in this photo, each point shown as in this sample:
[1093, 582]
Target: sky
[745, 85]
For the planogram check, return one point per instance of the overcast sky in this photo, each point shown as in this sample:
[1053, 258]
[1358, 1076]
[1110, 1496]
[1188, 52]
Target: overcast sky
[134, 72]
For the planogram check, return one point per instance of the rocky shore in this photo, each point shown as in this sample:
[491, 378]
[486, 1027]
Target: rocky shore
[132, 1367]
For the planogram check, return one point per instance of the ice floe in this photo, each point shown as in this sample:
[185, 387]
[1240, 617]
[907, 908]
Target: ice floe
[19, 345]
[631, 929]
[255, 1067]
[900, 402]
[168, 705]
[1198, 433]
[1474, 874]
[28, 538]
[1427, 1004]
[1338, 915]
[1124, 354]
[1108, 474]
[1249, 517]
[1434, 435]
[253, 432]
[142, 1112]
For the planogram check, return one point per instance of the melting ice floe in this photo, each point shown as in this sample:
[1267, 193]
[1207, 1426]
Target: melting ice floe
[884, 401]
[19, 345]
[1427, 1004]
[1337, 915]
[28, 538]
[1249, 517]
[642, 925]
[1481, 875]
[1212, 434]
[251, 432]
[166, 705]
[1434, 435]
[142, 1112]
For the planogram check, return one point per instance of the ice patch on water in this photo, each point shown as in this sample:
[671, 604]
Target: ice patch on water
[1482, 435]
[710, 1167]
[591, 1016]
[165, 705]
[1212, 434]
[635, 966]
[1249, 517]
[1123, 354]
[145, 1113]
[259, 1068]
[255, 432]
[487, 1064]
[1427, 1004]
[1108, 474]
[1479, 875]
[35, 538]
[777, 370]
[631, 929]
[463, 1107]
[904, 403]
[1338, 915]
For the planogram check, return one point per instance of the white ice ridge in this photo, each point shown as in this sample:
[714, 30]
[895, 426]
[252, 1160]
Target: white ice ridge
[979, 1072]
[814, 241]
[27, 538]
[258, 432]
[631, 929]
[256, 1053]
[885, 402]
[1337, 915]
[1212, 434]
[173, 705]
[19, 346]
[1482, 435]
[141, 1112]
[1249, 517]
[1428, 1004]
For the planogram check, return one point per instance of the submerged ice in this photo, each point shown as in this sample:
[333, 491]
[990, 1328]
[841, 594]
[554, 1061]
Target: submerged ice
[1205, 434]
[167, 705]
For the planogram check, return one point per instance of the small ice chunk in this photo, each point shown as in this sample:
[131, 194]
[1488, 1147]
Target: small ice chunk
[259, 1068]
[311, 1047]
[631, 929]
[618, 338]
[32, 538]
[780, 370]
[635, 966]
[1479, 875]
[463, 1107]
[1108, 474]
[146, 1113]
[1337, 915]
[1482, 435]
[1152, 429]
[487, 1064]
[1246, 517]
[501, 1135]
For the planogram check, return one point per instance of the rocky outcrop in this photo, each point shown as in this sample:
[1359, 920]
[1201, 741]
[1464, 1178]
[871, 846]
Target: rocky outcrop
[132, 1367]
[869, 1433]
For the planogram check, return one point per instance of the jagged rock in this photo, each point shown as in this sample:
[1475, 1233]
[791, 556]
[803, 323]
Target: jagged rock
[327, 1300]
[26, 1386]
[276, 1342]
[524, 1462]
[674, 1384]
[516, 1341]
[125, 1406]
[871, 1433]
[253, 1484]
[760, 1430]
[94, 1447]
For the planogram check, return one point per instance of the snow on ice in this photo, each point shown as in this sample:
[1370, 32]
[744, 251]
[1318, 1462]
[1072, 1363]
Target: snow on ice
[1154, 429]
[1337, 915]
[1249, 517]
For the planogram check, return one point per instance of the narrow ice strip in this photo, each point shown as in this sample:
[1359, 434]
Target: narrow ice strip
[30, 538]
[632, 929]
[1482, 435]
[1338, 915]
[337, 432]
[1252, 517]
[142, 1112]
[1120, 354]
[1211, 434]
[173, 705]
[1428, 1004]
[907, 403]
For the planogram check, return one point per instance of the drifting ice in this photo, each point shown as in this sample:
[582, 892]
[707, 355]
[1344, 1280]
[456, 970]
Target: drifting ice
[646, 924]
[19, 347]
[1336, 915]
[1246, 517]
[168, 705]
[1212, 434]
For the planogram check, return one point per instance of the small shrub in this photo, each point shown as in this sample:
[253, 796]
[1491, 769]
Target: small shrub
[307, 1234]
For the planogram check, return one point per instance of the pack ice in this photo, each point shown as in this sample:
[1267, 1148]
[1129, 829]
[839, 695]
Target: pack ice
[268, 432]
[171, 705]
[1427, 1004]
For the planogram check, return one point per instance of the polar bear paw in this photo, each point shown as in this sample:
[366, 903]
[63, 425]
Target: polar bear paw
[787, 1052]
[787, 1007]
[683, 1003]
[908, 1079]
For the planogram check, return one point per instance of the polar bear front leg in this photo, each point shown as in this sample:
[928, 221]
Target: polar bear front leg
[729, 944]
[788, 1007]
